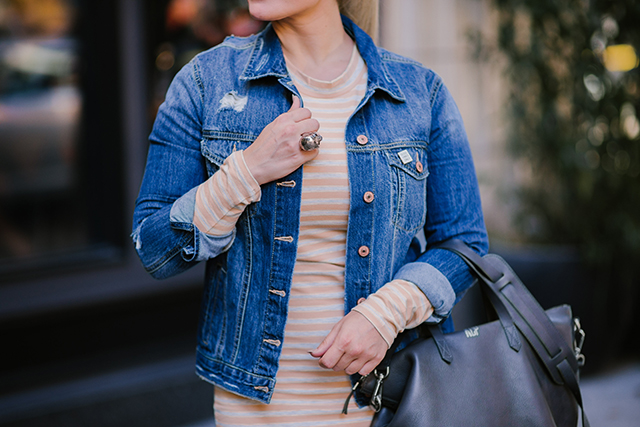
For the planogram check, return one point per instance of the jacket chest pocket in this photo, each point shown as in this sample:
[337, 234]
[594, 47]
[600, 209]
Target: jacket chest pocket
[409, 173]
[217, 146]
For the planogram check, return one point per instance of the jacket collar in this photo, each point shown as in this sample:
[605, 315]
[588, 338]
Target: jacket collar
[267, 59]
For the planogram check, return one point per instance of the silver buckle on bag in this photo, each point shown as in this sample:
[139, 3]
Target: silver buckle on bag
[376, 396]
[578, 341]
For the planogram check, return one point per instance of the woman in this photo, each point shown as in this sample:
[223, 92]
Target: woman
[312, 263]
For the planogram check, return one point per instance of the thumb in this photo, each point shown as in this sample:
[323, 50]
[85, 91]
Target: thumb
[295, 104]
[324, 345]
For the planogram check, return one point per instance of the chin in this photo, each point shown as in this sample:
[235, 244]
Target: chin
[262, 10]
[275, 10]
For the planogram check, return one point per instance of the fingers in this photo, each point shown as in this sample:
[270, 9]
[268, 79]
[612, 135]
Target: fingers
[356, 366]
[350, 364]
[295, 104]
[350, 357]
[353, 345]
[296, 112]
[276, 151]
[298, 115]
[289, 132]
[301, 118]
[308, 126]
[353, 358]
[368, 367]
[327, 342]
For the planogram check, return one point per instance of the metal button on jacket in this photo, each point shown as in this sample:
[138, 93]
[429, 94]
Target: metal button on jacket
[363, 251]
[362, 140]
[419, 166]
[368, 197]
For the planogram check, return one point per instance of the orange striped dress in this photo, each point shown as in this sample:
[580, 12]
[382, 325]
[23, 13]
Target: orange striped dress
[305, 394]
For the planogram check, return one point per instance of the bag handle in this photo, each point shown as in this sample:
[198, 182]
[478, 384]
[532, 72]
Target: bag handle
[505, 318]
[530, 317]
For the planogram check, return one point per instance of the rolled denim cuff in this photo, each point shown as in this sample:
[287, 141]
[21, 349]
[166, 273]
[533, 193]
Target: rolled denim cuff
[183, 208]
[204, 246]
[433, 284]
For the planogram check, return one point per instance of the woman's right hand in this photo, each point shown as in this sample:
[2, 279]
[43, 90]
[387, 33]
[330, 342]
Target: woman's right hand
[276, 152]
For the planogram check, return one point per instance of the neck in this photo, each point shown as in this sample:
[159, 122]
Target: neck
[315, 42]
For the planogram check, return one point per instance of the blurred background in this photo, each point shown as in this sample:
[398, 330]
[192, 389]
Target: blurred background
[549, 91]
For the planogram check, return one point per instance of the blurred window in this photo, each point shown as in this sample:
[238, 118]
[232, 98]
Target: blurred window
[46, 208]
[62, 179]
[180, 29]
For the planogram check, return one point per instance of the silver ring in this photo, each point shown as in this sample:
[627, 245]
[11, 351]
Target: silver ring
[310, 141]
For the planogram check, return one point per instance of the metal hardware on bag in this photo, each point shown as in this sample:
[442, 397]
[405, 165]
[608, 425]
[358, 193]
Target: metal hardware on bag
[578, 341]
[359, 383]
[353, 390]
[376, 396]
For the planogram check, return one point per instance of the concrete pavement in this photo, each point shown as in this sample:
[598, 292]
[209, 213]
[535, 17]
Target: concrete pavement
[612, 399]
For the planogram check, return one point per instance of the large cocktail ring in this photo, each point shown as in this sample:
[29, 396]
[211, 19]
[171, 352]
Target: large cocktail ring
[310, 141]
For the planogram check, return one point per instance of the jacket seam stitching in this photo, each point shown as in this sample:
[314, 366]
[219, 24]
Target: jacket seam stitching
[208, 134]
[252, 55]
[175, 145]
[400, 60]
[198, 79]
[236, 368]
[152, 197]
[163, 261]
[247, 280]
[386, 147]
[228, 42]
[434, 93]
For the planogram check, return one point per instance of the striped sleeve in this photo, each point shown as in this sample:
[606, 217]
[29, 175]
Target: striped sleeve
[222, 198]
[397, 306]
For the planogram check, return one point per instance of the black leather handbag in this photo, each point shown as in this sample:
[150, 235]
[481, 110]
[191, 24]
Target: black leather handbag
[520, 370]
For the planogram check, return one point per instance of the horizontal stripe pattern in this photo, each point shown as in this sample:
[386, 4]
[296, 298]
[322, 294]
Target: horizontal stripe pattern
[222, 198]
[305, 394]
[397, 306]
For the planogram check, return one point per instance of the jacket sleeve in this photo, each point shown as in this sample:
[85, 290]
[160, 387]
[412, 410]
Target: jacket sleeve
[165, 238]
[454, 209]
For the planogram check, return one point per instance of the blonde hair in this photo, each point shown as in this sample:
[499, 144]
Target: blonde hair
[364, 13]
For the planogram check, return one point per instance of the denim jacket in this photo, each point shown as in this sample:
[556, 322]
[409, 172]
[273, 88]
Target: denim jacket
[406, 146]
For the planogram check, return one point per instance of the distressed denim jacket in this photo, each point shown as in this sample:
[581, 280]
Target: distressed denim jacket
[406, 146]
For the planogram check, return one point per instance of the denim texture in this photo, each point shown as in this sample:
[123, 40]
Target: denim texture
[220, 102]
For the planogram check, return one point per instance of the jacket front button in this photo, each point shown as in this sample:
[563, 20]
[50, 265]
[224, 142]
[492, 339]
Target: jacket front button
[368, 197]
[362, 140]
[363, 251]
[419, 166]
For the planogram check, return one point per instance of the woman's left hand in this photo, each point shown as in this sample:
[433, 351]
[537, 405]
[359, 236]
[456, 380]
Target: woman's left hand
[353, 345]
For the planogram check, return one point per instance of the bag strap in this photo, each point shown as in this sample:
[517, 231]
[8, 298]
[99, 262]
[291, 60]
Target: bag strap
[530, 318]
[505, 318]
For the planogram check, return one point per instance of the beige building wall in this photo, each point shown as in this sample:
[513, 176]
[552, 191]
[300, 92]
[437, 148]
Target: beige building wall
[436, 33]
